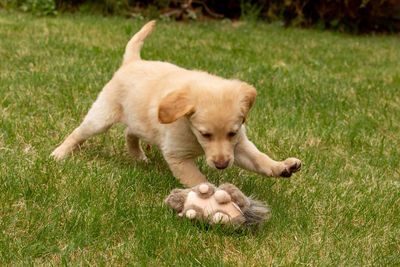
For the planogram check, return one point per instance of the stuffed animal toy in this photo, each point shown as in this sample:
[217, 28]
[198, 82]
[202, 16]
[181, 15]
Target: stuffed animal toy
[225, 204]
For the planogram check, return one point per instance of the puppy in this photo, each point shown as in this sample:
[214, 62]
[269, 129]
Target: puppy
[186, 113]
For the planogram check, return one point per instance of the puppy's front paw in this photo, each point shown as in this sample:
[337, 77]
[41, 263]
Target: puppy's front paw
[291, 165]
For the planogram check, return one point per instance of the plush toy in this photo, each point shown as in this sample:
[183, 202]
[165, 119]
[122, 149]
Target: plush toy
[225, 204]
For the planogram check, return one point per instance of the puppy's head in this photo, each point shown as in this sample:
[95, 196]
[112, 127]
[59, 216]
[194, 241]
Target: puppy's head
[216, 115]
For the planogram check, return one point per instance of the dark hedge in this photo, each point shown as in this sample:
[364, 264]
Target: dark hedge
[356, 16]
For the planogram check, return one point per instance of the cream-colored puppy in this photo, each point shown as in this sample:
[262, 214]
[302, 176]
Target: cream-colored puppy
[185, 113]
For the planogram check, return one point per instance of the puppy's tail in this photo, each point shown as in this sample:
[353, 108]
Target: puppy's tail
[132, 50]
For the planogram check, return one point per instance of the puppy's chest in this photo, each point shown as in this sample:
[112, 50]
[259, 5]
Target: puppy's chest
[182, 144]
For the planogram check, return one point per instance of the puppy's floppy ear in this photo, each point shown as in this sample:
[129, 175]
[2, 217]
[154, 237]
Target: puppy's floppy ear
[248, 96]
[175, 105]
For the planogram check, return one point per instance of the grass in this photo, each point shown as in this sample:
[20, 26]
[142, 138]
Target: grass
[331, 100]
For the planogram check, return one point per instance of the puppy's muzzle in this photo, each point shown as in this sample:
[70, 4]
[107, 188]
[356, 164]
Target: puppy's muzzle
[221, 164]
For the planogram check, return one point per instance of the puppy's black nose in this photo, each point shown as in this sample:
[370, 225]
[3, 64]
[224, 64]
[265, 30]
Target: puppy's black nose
[220, 164]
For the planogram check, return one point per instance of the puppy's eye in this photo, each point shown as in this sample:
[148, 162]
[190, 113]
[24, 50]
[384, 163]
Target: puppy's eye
[206, 135]
[231, 134]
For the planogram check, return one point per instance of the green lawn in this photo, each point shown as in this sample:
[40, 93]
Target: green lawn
[329, 99]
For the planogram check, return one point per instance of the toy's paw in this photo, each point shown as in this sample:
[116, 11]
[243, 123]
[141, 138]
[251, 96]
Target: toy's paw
[220, 217]
[203, 188]
[222, 197]
[291, 165]
[191, 214]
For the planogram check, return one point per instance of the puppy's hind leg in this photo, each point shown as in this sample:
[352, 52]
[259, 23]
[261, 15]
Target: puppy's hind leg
[134, 148]
[101, 116]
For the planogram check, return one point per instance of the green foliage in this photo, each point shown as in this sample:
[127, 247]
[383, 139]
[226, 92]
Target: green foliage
[39, 7]
[356, 16]
[105, 7]
[8, 4]
[137, 16]
[42, 7]
[249, 11]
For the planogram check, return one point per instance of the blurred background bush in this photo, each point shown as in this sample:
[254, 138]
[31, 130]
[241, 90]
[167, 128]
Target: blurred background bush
[357, 16]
